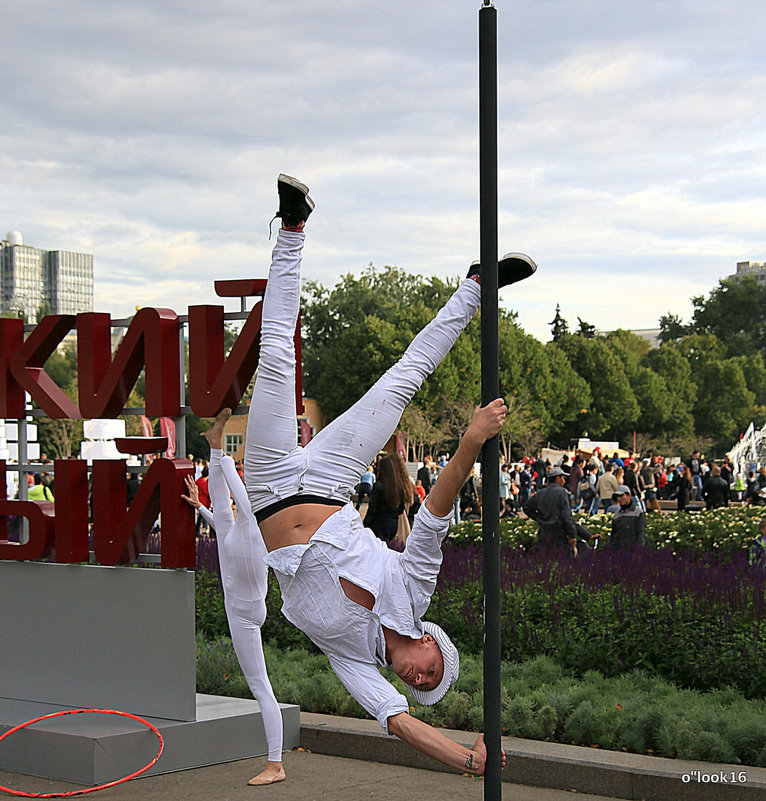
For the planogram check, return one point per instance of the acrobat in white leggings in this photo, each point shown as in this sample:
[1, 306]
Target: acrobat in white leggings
[329, 467]
[245, 582]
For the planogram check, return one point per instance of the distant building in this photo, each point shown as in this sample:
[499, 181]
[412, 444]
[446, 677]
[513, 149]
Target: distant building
[755, 268]
[651, 335]
[55, 281]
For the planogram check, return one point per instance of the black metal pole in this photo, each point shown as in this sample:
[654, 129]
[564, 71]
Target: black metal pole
[490, 389]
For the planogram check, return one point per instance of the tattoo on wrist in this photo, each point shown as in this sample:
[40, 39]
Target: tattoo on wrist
[469, 761]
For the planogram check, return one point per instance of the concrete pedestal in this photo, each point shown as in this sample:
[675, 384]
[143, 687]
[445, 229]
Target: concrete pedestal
[95, 749]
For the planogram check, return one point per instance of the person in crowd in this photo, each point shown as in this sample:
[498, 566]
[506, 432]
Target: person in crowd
[630, 479]
[539, 473]
[606, 486]
[738, 487]
[662, 483]
[244, 575]
[419, 491]
[727, 473]
[358, 601]
[595, 500]
[649, 472]
[595, 459]
[751, 488]
[694, 463]
[204, 499]
[684, 491]
[619, 473]
[365, 486]
[628, 521]
[392, 495]
[39, 491]
[515, 489]
[505, 491]
[575, 477]
[424, 473]
[550, 508]
[525, 481]
[715, 490]
[470, 507]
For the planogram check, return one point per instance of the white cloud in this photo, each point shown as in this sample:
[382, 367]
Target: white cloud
[150, 134]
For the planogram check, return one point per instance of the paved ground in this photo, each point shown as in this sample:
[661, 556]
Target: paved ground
[310, 777]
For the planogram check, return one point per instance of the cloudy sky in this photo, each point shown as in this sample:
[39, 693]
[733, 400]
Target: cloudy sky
[150, 133]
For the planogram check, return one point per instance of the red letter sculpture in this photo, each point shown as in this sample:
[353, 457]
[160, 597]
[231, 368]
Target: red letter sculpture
[215, 384]
[72, 522]
[27, 366]
[11, 392]
[105, 384]
[120, 535]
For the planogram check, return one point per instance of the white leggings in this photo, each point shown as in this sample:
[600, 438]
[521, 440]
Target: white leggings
[332, 463]
[244, 576]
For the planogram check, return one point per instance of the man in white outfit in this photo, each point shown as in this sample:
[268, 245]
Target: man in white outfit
[360, 602]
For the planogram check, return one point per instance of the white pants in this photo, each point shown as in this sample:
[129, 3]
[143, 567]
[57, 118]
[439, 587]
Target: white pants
[241, 552]
[334, 460]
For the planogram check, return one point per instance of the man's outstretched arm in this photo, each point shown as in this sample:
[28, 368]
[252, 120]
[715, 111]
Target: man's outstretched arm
[485, 423]
[432, 742]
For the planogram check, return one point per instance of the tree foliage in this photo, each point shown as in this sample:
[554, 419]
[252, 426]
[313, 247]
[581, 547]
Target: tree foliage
[703, 384]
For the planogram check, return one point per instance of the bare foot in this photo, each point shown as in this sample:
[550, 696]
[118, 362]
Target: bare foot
[273, 772]
[214, 435]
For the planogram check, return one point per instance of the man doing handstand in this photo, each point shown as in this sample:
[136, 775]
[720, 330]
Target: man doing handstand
[358, 601]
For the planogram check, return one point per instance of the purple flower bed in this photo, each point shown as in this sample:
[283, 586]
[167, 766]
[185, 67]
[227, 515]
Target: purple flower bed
[696, 620]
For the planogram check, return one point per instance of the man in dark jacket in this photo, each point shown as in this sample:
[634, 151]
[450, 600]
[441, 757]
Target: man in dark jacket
[424, 474]
[715, 490]
[540, 469]
[628, 522]
[550, 508]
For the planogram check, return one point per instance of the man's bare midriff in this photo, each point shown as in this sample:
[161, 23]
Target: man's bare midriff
[295, 525]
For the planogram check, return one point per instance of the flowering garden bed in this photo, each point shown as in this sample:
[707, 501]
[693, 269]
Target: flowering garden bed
[724, 530]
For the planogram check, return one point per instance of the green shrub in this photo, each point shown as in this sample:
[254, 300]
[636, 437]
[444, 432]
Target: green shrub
[633, 712]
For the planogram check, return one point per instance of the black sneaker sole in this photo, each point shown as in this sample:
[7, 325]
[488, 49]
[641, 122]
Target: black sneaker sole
[512, 268]
[296, 184]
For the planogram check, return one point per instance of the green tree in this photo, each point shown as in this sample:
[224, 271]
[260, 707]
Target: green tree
[558, 324]
[521, 428]
[586, 329]
[672, 328]
[355, 332]
[734, 312]
[613, 411]
[658, 416]
[629, 348]
[725, 405]
[669, 364]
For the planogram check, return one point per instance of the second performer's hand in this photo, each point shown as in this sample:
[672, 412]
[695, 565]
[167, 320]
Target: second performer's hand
[193, 497]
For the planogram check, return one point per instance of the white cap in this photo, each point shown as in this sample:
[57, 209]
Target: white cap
[451, 672]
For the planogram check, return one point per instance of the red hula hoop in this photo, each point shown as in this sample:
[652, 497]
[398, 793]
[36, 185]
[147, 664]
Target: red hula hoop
[98, 786]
